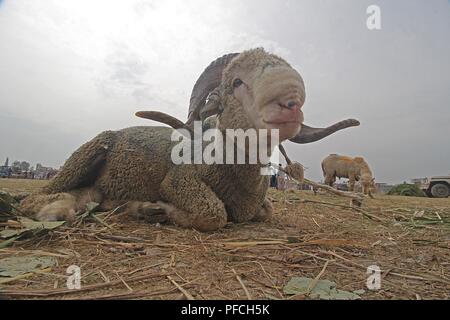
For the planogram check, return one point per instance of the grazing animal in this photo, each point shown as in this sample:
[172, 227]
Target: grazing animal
[133, 166]
[354, 169]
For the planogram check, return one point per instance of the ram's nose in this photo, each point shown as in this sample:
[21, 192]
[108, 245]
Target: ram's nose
[292, 103]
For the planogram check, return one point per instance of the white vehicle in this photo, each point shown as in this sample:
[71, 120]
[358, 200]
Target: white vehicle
[437, 187]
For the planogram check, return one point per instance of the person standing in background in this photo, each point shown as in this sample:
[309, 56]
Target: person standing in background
[281, 179]
[273, 176]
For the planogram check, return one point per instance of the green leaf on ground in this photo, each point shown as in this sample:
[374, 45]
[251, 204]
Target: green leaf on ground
[39, 225]
[15, 266]
[9, 233]
[8, 242]
[91, 207]
[324, 289]
[7, 202]
[29, 227]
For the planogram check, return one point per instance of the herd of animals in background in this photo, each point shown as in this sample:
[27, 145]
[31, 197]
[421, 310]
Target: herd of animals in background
[354, 169]
[132, 167]
[335, 167]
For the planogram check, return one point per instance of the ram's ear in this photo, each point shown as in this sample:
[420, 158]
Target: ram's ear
[211, 108]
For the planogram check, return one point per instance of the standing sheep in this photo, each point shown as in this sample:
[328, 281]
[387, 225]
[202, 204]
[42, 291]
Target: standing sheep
[354, 169]
[253, 89]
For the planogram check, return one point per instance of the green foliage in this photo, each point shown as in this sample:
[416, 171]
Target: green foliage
[16, 266]
[322, 289]
[407, 190]
[6, 202]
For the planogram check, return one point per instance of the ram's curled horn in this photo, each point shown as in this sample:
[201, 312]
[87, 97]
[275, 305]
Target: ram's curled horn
[163, 118]
[204, 101]
[308, 134]
[207, 83]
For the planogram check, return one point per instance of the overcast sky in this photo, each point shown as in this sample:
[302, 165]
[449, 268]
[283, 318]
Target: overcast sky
[70, 69]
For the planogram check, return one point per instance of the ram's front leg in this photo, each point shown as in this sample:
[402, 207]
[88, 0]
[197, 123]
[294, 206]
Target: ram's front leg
[245, 207]
[351, 183]
[192, 204]
[330, 180]
[147, 211]
[264, 213]
[59, 206]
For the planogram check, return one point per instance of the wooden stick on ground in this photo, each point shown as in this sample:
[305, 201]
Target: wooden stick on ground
[313, 283]
[247, 293]
[364, 213]
[405, 276]
[130, 295]
[56, 292]
[23, 276]
[182, 290]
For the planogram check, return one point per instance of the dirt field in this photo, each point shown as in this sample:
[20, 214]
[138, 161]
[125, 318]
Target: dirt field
[21, 185]
[408, 238]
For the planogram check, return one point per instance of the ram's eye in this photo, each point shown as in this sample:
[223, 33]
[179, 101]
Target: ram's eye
[237, 83]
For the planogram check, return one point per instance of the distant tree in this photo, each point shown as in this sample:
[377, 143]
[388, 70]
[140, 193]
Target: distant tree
[25, 166]
[16, 167]
[20, 166]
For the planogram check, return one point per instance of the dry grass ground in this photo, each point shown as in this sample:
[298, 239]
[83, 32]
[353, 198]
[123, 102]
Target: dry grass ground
[21, 185]
[408, 238]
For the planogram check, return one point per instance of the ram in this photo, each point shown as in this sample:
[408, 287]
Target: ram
[253, 89]
[354, 169]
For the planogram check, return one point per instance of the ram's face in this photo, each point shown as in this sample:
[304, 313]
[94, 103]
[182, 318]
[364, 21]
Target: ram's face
[368, 184]
[271, 93]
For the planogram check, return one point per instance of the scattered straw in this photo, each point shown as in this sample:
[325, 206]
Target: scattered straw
[183, 291]
[133, 259]
[247, 293]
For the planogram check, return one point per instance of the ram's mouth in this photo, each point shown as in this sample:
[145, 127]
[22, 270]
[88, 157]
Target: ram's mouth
[286, 128]
[279, 122]
[280, 116]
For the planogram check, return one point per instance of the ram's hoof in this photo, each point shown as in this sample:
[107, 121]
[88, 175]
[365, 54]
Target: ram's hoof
[152, 213]
[265, 212]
